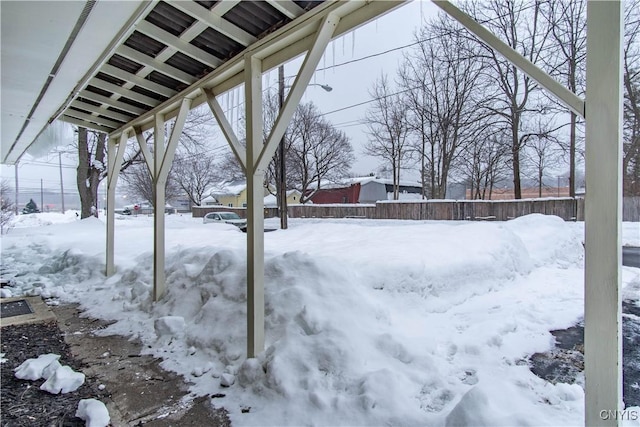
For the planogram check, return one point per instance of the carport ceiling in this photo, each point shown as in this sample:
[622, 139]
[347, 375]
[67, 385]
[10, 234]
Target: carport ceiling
[111, 76]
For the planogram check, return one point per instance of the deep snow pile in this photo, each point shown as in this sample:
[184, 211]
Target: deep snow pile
[367, 322]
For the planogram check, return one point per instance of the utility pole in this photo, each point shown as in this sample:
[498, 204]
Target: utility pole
[41, 196]
[61, 184]
[16, 176]
[282, 176]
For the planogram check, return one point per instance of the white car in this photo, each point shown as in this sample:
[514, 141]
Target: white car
[226, 218]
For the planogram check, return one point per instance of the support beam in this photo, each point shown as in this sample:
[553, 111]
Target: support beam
[170, 150]
[115, 154]
[144, 148]
[255, 207]
[162, 160]
[603, 207]
[227, 130]
[570, 99]
[158, 210]
[311, 60]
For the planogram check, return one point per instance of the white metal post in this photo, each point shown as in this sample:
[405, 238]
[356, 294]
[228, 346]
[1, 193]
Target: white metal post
[158, 210]
[162, 160]
[603, 207]
[115, 154]
[255, 207]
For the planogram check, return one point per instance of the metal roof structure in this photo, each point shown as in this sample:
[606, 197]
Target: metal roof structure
[105, 64]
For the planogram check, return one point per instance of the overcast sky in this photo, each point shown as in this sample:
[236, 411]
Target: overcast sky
[350, 82]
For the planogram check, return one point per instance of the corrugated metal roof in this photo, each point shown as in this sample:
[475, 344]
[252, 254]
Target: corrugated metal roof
[172, 49]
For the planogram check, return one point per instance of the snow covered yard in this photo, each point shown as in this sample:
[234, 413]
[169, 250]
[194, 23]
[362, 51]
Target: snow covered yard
[367, 322]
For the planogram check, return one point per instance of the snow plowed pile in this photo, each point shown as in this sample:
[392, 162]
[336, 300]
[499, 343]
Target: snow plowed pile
[367, 323]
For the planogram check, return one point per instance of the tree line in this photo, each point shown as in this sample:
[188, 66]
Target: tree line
[458, 111]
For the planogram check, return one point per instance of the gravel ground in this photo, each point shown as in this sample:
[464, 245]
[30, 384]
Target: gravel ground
[565, 363]
[22, 401]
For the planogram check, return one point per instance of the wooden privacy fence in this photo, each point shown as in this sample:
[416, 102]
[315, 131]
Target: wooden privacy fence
[566, 208]
[500, 210]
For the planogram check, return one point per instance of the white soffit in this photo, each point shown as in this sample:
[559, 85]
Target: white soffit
[34, 34]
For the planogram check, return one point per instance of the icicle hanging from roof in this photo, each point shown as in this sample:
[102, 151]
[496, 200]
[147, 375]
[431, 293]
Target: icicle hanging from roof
[56, 134]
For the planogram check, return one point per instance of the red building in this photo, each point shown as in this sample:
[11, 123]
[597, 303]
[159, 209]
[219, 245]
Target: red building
[349, 194]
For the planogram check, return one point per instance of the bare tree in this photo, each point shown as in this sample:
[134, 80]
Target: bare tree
[195, 174]
[92, 168]
[140, 186]
[541, 154]
[316, 151]
[522, 27]
[387, 125]
[6, 205]
[485, 164]
[444, 97]
[631, 64]
[567, 61]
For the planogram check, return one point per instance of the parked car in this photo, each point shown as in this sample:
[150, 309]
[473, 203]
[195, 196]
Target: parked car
[226, 218]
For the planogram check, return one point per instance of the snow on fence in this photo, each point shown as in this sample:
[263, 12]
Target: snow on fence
[566, 208]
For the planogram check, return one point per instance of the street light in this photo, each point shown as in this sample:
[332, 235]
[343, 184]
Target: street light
[325, 87]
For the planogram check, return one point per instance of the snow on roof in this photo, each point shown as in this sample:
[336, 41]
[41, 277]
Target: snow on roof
[270, 201]
[228, 188]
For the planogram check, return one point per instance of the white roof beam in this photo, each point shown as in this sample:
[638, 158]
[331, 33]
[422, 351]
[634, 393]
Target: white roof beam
[179, 44]
[106, 101]
[135, 96]
[91, 118]
[84, 124]
[287, 7]
[103, 111]
[156, 64]
[213, 18]
[139, 81]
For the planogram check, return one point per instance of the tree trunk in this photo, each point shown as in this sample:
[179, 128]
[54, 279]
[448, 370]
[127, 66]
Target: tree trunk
[82, 177]
[89, 175]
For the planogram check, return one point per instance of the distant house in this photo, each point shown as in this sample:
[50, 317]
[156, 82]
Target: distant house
[209, 201]
[367, 189]
[293, 197]
[232, 194]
